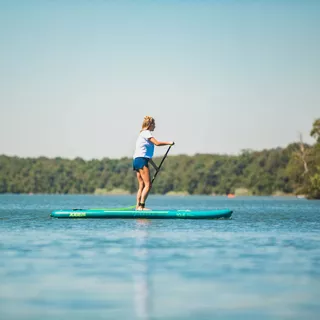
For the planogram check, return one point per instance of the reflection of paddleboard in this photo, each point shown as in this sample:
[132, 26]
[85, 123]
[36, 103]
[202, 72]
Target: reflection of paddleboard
[146, 214]
[141, 281]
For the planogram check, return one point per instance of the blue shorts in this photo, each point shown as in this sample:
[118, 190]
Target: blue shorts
[139, 163]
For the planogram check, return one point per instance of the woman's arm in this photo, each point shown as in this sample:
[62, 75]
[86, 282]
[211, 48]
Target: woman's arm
[161, 143]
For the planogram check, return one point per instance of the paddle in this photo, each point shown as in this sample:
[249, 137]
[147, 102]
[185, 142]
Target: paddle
[156, 173]
[158, 169]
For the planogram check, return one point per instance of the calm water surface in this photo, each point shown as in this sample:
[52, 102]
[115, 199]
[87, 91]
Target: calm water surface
[264, 263]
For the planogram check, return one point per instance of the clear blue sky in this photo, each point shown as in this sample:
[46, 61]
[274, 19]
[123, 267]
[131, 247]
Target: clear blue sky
[77, 77]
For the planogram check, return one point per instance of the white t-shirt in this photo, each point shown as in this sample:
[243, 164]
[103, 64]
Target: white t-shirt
[144, 147]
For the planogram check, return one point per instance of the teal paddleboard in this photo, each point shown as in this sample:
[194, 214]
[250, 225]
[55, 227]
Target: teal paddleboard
[146, 214]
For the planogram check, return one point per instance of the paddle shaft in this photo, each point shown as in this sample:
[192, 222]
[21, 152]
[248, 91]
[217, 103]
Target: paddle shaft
[160, 164]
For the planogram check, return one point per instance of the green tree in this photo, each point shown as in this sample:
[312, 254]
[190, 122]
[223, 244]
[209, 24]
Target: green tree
[315, 131]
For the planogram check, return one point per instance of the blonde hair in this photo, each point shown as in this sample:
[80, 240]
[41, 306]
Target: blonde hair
[147, 122]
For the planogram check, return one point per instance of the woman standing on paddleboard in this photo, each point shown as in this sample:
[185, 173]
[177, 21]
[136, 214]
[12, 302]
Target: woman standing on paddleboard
[142, 156]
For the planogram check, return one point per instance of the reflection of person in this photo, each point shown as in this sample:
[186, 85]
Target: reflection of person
[142, 156]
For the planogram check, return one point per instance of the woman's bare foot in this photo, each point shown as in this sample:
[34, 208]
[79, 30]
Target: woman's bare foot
[142, 208]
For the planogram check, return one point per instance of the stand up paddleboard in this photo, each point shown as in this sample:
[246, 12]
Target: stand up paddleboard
[146, 214]
[129, 213]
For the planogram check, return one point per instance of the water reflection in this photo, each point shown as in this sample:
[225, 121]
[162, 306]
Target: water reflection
[141, 272]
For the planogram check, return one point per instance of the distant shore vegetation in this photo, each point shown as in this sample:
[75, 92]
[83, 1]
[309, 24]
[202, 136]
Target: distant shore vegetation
[293, 170]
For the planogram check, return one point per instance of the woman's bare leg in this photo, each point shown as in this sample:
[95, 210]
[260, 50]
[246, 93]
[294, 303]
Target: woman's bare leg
[145, 175]
[141, 186]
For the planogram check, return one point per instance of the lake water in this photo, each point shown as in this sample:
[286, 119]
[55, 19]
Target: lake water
[264, 263]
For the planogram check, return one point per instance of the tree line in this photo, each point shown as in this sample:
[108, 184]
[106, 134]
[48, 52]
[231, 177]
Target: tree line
[294, 169]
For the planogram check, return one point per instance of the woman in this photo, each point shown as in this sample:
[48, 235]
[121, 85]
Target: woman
[142, 156]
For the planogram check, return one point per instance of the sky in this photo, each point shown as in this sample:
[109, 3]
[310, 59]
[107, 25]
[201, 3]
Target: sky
[220, 76]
